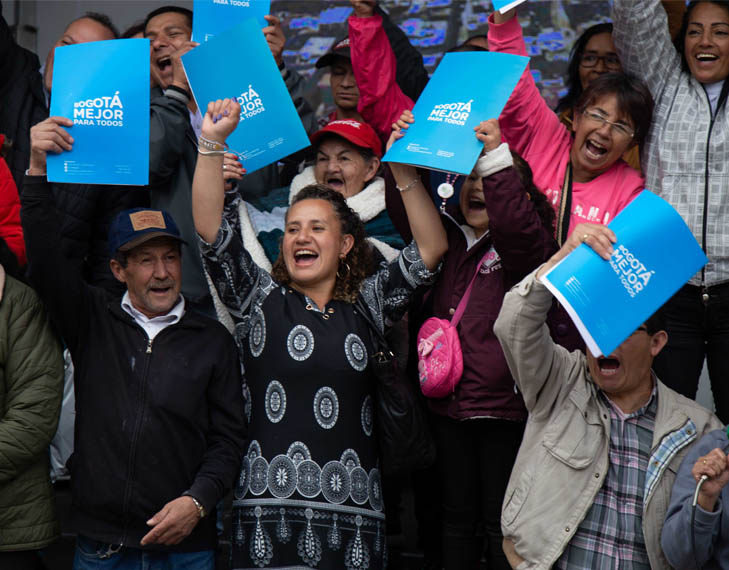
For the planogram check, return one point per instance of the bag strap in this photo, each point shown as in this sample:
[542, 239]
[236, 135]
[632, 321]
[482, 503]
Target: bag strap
[461, 308]
[565, 206]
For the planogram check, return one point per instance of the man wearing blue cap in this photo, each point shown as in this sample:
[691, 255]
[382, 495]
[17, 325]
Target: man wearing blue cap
[160, 421]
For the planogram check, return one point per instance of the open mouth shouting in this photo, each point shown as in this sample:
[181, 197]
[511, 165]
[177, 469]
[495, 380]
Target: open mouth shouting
[707, 57]
[608, 366]
[164, 62]
[305, 257]
[594, 149]
[336, 183]
[476, 204]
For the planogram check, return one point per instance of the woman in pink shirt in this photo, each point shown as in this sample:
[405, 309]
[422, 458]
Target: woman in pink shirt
[613, 114]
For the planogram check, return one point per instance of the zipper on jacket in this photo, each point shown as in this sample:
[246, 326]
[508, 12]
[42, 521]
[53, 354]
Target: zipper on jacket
[149, 346]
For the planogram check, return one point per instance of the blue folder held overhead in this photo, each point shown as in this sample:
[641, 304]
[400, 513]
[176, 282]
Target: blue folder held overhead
[104, 88]
[210, 17]
[466, 88]
[504, 6]
[269, 127]
[655, 255]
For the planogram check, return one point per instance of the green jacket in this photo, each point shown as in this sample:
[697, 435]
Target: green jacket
[31, 388]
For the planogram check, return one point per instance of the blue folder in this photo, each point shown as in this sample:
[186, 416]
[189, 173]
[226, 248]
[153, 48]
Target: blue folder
[466, 88]
[104, 88]
[239, 62]
[210, 17]
[655, 255]
[505, 5]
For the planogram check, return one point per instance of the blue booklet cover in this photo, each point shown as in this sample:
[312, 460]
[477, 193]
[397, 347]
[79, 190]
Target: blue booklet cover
[210, 17]
[505, 5]
[269, 127]
[466, 88]
[104, 88]
[655, 255]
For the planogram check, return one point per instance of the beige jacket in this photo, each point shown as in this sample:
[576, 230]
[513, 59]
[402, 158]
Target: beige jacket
[563, 458]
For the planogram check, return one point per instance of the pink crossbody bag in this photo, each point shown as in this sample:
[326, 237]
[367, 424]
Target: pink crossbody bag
[440, 360]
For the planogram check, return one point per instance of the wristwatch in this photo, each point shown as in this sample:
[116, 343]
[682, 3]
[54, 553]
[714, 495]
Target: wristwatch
[200, 509]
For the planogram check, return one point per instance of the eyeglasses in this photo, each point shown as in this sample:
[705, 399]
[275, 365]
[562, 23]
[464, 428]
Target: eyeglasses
[618, 128]
[611, 62]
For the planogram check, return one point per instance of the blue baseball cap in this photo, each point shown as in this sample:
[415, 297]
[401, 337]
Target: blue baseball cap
[133, 227]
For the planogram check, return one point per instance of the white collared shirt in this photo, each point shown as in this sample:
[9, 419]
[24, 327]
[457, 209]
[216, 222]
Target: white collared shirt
[155, 325]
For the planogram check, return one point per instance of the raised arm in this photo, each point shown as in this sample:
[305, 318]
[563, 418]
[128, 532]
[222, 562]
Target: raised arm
[643, 42]
[423, 218]
[375, 68]
[527, 123]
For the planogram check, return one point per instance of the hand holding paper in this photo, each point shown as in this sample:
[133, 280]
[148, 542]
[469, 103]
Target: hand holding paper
[48, 136]
[275, 37]
[600, 238]
[220, 120]
[179, 79]
[489, 133]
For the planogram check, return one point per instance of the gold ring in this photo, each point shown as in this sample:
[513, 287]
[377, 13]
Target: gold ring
[584, 237]
[225, 167]
[704, 460]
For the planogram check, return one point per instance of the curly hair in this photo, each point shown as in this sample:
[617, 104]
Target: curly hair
[359, 259]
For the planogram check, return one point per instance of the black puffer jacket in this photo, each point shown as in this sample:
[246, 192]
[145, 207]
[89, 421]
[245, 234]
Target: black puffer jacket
[153, 419]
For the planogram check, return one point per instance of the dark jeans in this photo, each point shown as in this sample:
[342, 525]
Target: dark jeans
[23, 560]
[95, 555]
[475, 458]
[697, 330]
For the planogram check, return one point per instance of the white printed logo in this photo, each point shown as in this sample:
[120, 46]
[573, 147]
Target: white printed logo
[250, 104]
[101, 111]
[452, 113]
[633, 274]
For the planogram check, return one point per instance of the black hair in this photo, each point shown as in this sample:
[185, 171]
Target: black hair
[133, 30]
[99, 18]
[164, 9]
[680, 43]
[6, 147]
[360, 258]
[572, 77]
[656, 322]
[536, 197]
[634, 99]
[464, 47]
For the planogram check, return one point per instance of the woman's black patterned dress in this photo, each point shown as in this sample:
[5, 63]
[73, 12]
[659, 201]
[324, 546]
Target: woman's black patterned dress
[309, 493]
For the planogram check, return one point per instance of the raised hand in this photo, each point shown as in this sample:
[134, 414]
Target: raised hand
[489, 133]
[400, 127]
[220, 119]
[715, 465]
[48, 136]
[179, 79]
[600, 238]
[275, 37]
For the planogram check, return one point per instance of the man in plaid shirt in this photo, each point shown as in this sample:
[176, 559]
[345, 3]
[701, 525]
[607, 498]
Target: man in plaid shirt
[603, 442]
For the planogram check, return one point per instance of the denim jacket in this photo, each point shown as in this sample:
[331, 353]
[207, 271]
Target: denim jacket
[563, 459]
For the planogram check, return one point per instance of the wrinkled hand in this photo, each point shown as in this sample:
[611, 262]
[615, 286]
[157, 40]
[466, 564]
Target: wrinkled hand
[489, 133]
[599, 238]
[179, 79]
[173, 523]
[48, 136]
[220, 119]
[275, 37]
[400, 127]
[715, 465]
[363, 8]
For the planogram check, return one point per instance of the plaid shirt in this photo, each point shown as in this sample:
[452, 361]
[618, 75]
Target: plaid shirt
[610, 537]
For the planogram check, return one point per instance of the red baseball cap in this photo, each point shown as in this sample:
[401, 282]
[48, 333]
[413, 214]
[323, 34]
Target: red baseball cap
[359, 134]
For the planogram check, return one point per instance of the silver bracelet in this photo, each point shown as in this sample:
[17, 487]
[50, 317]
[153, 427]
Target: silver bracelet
[409, 185]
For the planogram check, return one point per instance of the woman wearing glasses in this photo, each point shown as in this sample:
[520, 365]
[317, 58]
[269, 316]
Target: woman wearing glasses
[685, 161]
[582, 175]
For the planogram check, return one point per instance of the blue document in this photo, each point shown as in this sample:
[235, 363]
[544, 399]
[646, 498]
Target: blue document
[465, 89]
[104, 88]
[210, 17]
[654, 256]
[269, 127]
[504, 6]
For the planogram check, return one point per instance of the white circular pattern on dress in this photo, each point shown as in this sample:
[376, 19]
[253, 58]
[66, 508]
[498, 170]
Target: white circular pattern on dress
[244, 479]
[254, 449]
[349, 459]
[300, 343]
[374, 490]
[298, 452]
[326, 407]
[308, 483]
[335, 483]
[367, 415]
[275, 401]
[356, 352]
[259, 476]
[257, 334]
[360, 482]
[282, 476]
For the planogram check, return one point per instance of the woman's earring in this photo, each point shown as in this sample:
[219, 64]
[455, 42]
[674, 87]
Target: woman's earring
[346, 271]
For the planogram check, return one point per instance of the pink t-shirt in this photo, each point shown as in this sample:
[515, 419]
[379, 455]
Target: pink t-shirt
[533, 130]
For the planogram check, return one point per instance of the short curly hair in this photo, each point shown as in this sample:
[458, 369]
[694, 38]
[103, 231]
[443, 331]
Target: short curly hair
[359, 259]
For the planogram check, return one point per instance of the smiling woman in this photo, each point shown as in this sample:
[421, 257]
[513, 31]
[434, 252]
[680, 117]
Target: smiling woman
[684, 161]
[309, 492]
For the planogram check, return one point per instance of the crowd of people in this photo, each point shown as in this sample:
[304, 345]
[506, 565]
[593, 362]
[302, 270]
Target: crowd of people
[226, 333]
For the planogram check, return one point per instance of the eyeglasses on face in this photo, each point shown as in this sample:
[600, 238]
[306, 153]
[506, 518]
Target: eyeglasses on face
[619, 129]
[611, 62]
